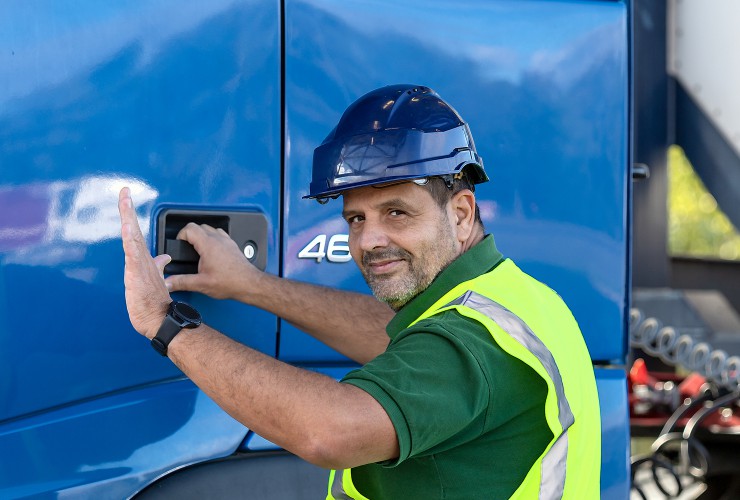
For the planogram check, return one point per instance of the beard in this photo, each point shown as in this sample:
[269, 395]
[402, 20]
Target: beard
[418, 270]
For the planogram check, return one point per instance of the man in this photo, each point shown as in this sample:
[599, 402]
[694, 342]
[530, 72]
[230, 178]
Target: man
[485, 389]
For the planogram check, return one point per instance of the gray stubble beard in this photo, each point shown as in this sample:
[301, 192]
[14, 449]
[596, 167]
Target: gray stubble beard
[416, 280]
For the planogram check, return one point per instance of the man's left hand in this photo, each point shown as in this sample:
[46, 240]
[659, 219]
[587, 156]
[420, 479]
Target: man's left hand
[146, 294]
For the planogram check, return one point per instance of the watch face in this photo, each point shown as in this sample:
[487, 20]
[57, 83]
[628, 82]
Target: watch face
[187, 314]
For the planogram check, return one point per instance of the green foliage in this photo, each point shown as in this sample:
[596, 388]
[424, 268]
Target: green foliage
[697, 227]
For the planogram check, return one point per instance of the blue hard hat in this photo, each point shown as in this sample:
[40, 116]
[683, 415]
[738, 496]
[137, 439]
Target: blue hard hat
[395, 133]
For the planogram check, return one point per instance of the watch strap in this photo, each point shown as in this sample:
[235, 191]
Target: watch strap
[167, 331]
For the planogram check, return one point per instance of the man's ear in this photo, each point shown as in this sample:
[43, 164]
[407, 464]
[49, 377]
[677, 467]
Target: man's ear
[463, 208]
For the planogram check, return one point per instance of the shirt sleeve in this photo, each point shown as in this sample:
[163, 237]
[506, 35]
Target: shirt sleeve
[431, 384]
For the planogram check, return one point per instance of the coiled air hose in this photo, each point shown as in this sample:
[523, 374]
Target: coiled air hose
[663, 342]
[650, 335]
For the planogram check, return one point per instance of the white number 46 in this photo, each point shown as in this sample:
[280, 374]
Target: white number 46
[336, 251]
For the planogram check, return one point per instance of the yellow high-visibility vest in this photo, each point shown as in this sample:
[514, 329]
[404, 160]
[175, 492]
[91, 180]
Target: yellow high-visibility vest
[530, 322]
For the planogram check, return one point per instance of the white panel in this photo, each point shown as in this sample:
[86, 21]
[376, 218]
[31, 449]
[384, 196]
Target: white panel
[703, 41]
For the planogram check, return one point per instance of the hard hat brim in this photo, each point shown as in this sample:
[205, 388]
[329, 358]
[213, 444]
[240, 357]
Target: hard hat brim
[392, 155]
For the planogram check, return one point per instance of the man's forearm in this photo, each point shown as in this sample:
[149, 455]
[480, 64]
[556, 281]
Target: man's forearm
[305, 412]
[352, 323]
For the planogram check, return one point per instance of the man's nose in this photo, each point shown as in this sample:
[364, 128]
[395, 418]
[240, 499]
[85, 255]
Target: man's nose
[372, 236]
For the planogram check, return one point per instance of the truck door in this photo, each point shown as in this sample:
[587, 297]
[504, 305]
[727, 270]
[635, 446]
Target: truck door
[181, 102]
[544, 86]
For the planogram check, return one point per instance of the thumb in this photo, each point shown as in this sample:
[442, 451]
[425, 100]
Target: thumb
[162, 260]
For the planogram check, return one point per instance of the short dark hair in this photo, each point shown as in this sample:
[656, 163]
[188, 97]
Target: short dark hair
[443, 189]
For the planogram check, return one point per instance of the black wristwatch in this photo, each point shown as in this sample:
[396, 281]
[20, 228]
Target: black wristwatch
[179, 315]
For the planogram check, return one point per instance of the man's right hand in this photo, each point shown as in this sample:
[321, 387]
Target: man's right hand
[223, 271]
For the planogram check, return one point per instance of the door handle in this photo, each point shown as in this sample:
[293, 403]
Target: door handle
[247, 229]
[181, 251]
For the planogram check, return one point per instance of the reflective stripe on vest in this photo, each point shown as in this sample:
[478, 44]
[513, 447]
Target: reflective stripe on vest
[338, 488]
[552, 482]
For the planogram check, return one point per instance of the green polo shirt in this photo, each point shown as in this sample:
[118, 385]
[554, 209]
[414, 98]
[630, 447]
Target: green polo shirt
[470, 419]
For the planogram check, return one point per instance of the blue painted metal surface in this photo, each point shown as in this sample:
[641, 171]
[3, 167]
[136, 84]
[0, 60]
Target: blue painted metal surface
[111, 447]
[178, 100]
[615, 433]
[544, 87]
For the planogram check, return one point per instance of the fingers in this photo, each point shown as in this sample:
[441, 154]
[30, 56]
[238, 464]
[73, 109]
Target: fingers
[194, 234]
[133, 240]
[180, 282]
[193, 231]
[126, 207]
[199, 235]
[196, 231]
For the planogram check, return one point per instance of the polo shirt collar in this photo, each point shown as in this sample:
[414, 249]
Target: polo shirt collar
[480, 259]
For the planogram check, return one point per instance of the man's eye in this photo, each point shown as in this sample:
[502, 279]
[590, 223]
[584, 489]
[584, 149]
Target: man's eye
[354, 219]
[396, 213]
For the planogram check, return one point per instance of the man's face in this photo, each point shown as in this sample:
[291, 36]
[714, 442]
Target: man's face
[400, 238]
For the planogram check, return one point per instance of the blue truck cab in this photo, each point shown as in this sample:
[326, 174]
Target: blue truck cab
[212, 110]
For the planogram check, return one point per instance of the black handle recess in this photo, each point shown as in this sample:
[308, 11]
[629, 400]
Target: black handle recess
[247, 229]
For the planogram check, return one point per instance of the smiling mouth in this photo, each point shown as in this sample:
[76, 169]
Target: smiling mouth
[385, 266]
[384, 262]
